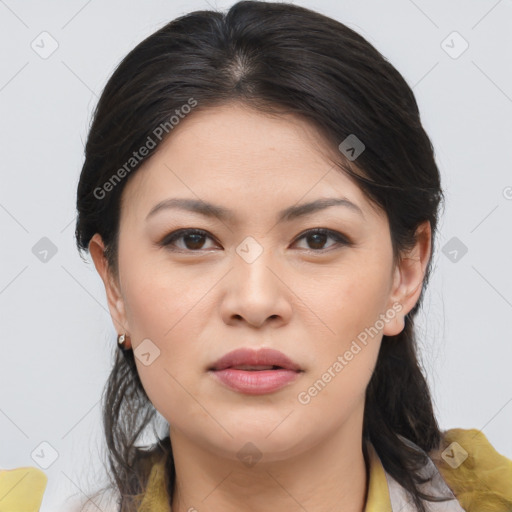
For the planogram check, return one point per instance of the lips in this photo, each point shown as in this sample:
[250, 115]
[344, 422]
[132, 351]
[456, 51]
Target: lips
[255, 360]
[255, 372]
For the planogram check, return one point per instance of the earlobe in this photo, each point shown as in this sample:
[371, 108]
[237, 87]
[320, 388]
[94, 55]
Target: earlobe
[114, 297]
[408, 278]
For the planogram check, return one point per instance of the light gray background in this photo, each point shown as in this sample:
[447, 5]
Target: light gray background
[57, 337]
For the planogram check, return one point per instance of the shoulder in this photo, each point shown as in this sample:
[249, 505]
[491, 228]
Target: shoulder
[22, 488]
[150, 467]
[479, 476]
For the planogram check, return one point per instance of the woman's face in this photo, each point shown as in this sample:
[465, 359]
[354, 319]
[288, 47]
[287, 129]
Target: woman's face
[255, 278]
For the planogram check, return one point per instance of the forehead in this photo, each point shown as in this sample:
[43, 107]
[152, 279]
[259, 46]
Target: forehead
[233, 152]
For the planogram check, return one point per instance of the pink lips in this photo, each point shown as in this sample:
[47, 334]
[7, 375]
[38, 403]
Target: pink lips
[248, 371]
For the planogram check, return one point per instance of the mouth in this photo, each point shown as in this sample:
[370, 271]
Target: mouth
[255, 368]
[251, 360]
[255, 372]
[259, 381]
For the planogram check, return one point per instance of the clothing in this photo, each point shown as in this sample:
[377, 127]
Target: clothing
[22, 489]
[482, 483]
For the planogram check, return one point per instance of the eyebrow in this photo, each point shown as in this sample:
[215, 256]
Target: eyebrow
[286, 215]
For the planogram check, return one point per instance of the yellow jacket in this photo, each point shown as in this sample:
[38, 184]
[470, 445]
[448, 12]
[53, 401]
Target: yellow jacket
[21, 489]
[481, 483]
[469, 467]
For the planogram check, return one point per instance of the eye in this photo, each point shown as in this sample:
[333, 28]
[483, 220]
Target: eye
[318, 236]
[194, 239]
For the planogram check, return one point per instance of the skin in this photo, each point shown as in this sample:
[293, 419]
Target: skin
[203, 300]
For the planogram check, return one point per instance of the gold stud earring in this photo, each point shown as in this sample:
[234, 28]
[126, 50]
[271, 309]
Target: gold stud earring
[121, 341]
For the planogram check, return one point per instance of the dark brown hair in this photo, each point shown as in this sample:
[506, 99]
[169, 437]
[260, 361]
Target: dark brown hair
[277, 58]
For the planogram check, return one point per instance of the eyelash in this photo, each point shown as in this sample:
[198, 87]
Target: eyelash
[180, 233]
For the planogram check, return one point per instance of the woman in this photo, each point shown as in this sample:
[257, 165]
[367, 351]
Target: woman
[261, 201]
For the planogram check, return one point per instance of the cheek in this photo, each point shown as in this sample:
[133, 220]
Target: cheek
[336, 386]
[160, 299]
[349, 303]
[166, 319]
[350, 299]
[338, 400]
[173, 320]
[169, 310]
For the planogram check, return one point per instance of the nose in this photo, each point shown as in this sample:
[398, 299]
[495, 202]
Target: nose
[256, 292]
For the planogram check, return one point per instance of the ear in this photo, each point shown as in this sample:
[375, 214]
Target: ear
[408, 279]
[112, 289]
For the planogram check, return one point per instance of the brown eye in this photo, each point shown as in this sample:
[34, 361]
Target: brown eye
[193, 239]
[316, 238]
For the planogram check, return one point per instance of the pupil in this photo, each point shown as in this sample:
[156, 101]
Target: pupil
[195, 243]
[322, 239]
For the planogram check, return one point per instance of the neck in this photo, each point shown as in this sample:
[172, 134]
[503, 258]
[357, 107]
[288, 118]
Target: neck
[330, 476]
